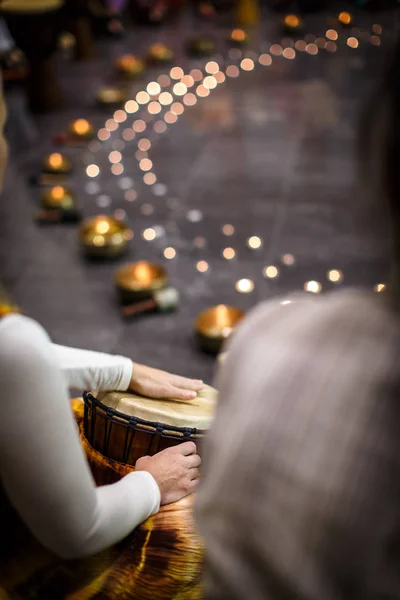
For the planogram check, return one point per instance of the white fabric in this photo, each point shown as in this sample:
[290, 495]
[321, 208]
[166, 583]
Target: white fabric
[43, 468]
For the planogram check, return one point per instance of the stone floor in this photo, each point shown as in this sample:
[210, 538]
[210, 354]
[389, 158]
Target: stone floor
[270, 152]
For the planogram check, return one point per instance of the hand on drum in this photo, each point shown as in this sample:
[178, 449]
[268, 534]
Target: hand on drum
[160, 384]
[175, 469]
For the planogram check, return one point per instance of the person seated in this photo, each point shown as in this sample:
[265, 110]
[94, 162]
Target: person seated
[300, 494]
[43, 468]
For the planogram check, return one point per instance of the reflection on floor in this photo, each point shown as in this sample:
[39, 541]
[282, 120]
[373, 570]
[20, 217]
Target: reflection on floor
[259, 173]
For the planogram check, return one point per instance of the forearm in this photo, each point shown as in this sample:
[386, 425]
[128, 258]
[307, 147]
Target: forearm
[85, 369]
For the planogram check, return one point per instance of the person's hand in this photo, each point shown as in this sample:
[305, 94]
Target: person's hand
[160, 384]
[175, 469]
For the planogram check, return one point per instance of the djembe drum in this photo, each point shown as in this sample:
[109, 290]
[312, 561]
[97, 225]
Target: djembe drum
[162, 559]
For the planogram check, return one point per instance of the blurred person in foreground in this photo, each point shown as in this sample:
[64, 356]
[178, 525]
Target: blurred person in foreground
[300, 498]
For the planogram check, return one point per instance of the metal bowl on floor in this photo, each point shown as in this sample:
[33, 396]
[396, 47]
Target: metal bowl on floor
[58, 197]
[104, 236]
[57, 164]
[138, 281]
[215, 325]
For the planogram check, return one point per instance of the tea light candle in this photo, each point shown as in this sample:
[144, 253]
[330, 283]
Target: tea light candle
[292, 24]
[138, 281]
[81, 129]
[159, 53]
[238, 37]
[57, 164]
[129, 65]
[58, 197]
[104, 236]
[214, 326]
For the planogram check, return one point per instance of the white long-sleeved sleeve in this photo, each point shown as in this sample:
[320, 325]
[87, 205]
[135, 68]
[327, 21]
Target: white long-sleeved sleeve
[43, 468]
[86, 370]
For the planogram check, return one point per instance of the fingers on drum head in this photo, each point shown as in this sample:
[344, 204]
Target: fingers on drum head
[187, 448]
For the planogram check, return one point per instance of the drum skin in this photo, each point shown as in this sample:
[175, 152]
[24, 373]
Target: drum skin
[161, 560]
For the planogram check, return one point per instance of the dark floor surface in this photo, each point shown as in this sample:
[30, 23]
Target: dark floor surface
[271, 152]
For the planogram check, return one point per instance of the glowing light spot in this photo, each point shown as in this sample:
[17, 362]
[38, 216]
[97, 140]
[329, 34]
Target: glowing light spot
[103, 134]
[111, 125]
[170, 117]
[139, 126]
[247, 64]
[288, 260]
[189, 99]
[145, 164]
[131, 106]
[142, 97]
[212, 67]
[153, 88]
[128, 134]
[229, 253]
[165, 98]
[98, 240]
[265, 60]
[115, 157]
[331, 47]
[92, 170]
[352, 42]
[276, 49]
[144, 144]
[179, 89]
[289, 53]
[81, 127]
[196, 74]
[228, 229]
[149, 234]
[176, 73]
[379, 287]
[254, 242]
[231, 71]
[149, 178]
[202, 91]
[375, 40]
[202, 266]
[335, 275]
[332, 34]
[120, 116]
[270, 272]
[220, 77]
[160, 127]
[312, 49]
[130, 195]
[377, 29]
[292, 21]
[313, 287]
[300, 45]
[244, 286]
[117, 169]
[169, 253]
[154, 108]
[344, 18]
[238, 36]
[188, 81]
[164, 80]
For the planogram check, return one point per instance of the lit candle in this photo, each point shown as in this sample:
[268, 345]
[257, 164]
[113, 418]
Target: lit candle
[81, 129]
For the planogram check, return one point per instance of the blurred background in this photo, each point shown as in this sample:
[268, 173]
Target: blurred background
[167, 157]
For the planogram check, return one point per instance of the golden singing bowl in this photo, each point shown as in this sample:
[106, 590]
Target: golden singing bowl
[215, 325]
[112, 96]
[138, 281]
[159, 53]
[81, 129]
[58, 197]
[129, 65]
[104, 236]
[239, 37]
[57, 164]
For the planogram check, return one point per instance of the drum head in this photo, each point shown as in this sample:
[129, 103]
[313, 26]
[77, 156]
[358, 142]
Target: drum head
[197, 413]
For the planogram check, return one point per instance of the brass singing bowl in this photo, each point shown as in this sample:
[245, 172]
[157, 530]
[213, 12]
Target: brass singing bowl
[58, 197]
[215, 325]
[129, 65]
[111, 96]
[104, 236]
[138, 281]
[159, 53]
[57, 163]
[81, 129]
